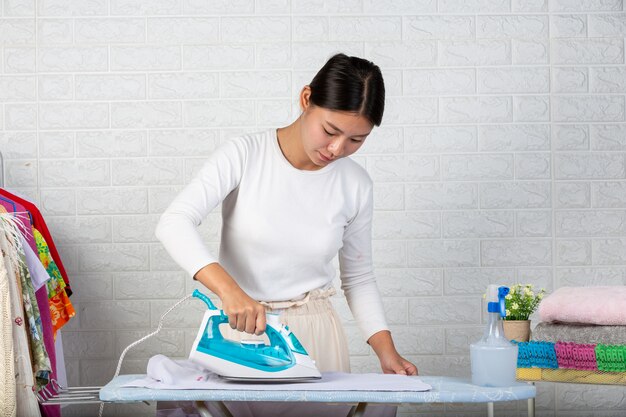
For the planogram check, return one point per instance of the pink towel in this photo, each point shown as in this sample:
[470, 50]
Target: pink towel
[591, 305]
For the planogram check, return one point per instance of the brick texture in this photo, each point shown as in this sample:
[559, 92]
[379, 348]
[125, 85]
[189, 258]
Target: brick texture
[501, 157]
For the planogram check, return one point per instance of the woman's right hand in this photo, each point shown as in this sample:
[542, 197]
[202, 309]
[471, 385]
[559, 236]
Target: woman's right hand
[244, 313]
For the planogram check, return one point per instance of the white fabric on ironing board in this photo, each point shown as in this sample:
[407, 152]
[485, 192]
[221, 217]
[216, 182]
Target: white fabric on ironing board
[169, 374]
[175, 373]
[317, 326]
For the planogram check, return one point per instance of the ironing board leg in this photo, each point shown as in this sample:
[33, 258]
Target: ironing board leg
[225, 411]
[204, 411]
[531, 407]
[490, 409]
[357, 410]
[201, 407]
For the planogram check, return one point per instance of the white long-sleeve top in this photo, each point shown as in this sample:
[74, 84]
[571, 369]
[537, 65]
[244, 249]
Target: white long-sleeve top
[281, 226]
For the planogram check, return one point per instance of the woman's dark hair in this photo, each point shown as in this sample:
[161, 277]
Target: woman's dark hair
[349, 83]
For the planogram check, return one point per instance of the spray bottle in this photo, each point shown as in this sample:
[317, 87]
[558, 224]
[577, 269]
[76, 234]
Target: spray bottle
[494, 357]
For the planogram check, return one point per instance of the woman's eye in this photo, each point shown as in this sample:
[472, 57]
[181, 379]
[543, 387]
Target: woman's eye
[356, 141]
[328, 133]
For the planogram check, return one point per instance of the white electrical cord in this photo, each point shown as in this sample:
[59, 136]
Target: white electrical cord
[135, 343]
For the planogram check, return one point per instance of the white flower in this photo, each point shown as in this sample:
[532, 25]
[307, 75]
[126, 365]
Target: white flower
[508, 313]
[540, 295]
[515, 306]
[509, 297]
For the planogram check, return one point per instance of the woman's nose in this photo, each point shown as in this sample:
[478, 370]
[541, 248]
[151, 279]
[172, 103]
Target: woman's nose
[336, 147]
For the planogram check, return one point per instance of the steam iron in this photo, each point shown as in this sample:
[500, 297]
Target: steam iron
[283, 360]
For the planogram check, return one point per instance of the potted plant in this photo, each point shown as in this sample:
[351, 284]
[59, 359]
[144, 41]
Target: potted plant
[520, 303]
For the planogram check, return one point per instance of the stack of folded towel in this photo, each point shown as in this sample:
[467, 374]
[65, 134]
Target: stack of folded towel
[581, 328]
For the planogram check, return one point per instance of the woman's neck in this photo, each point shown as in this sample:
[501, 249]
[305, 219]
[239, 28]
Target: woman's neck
[290, 143]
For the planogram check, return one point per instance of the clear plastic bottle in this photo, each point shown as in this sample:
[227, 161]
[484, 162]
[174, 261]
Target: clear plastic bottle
[494, 357]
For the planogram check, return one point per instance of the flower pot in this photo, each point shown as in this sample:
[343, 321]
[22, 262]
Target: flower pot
[518, 330]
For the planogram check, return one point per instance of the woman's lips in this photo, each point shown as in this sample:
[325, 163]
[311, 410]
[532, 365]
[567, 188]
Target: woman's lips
[323, 158]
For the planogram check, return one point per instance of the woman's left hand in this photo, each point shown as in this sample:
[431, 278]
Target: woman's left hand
[390, 360]
[393, 363]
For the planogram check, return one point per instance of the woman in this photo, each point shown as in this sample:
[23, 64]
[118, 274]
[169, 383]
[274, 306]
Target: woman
[292, 201]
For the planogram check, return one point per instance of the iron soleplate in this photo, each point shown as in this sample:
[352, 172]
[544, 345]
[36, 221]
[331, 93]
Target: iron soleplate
[280, 380]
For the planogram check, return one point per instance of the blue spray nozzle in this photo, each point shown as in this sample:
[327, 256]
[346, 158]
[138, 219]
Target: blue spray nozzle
[502, 293]
[204, 298]
[498, 305]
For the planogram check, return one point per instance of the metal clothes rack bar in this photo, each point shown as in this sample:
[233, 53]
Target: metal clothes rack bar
[67, 395]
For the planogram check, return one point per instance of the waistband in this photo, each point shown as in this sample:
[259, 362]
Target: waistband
[316, 294]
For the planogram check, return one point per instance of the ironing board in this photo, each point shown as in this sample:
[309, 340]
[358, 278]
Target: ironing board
[444, 390]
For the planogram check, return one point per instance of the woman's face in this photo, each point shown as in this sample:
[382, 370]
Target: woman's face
[328, 135]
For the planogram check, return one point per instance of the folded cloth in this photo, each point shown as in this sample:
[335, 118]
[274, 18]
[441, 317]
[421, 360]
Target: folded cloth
[579, 333]
[175, 372]
[590, 305]
[165, 373]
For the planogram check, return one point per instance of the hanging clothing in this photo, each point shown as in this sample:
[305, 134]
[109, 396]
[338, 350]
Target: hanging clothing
[61, 308]
[41, 297]
[61, 374]
[41, 361]
[25, 221]
[24, 381]
[40, 224]
[38, 273]
[8, 392]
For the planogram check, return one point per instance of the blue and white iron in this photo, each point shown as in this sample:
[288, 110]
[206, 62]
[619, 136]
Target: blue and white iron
[283, 360]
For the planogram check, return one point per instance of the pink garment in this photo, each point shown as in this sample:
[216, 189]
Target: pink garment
[48, 339]
[590, 305]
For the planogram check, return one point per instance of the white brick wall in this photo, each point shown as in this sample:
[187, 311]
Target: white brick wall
[501, 157]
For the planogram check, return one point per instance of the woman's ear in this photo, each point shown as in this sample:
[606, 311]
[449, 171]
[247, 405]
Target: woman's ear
[305, 98]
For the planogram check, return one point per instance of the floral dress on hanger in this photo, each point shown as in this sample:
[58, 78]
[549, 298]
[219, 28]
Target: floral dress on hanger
[61, 308]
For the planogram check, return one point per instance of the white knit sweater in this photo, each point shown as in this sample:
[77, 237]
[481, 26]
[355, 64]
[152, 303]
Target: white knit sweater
[282, 227]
